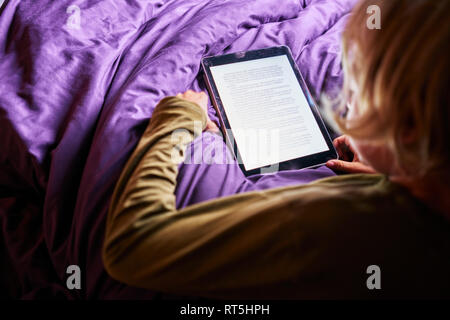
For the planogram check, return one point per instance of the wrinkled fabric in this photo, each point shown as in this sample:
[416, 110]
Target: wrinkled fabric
[78, 83]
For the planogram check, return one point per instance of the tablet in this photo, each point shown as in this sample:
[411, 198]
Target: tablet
[268, 116]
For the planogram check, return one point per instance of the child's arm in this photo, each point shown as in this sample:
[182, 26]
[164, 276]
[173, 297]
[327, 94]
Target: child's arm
[239, 246]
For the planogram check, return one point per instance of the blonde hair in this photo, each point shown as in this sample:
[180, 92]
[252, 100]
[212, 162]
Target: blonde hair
[398, 77]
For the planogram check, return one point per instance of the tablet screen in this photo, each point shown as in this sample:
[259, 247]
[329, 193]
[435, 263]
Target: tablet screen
[268, 112]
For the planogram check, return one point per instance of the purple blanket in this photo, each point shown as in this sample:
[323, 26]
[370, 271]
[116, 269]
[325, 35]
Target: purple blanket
[79, 80]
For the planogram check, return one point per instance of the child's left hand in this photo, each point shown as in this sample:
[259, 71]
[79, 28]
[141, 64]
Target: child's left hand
[201, 99]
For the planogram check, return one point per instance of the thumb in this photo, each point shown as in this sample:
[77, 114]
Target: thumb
[349, 167]
[211, 126]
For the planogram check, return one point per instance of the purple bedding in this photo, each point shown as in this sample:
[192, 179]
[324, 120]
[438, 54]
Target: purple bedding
[78, 85]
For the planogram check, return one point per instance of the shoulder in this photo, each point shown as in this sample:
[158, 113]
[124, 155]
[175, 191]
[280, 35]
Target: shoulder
[361, 207]
[353, 222]
[349, 195]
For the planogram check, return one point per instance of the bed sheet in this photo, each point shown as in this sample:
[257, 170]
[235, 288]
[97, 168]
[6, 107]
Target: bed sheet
[79, 81]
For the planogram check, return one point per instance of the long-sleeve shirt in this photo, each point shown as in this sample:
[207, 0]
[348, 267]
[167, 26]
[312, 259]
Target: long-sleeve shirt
[309, 241]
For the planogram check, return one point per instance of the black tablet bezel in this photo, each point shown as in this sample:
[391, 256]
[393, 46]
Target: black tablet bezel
[298, 163]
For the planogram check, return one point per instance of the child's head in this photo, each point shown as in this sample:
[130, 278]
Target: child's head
[397, 84]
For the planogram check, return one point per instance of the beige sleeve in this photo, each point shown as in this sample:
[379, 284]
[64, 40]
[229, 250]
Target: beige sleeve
[234, 247]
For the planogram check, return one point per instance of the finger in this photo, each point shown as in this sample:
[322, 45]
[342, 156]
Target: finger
[349, 167]
[339, 140]
[346, 149]
[211, 126]
[339, 145]
[338, 149]
[349, 144]
[338, 165]
[336, 140]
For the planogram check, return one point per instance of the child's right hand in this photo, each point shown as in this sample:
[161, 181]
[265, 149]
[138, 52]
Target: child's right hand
[349, 161]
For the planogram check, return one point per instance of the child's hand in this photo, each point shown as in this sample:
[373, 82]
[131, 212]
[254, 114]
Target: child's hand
[201, 99]
[349, 161]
